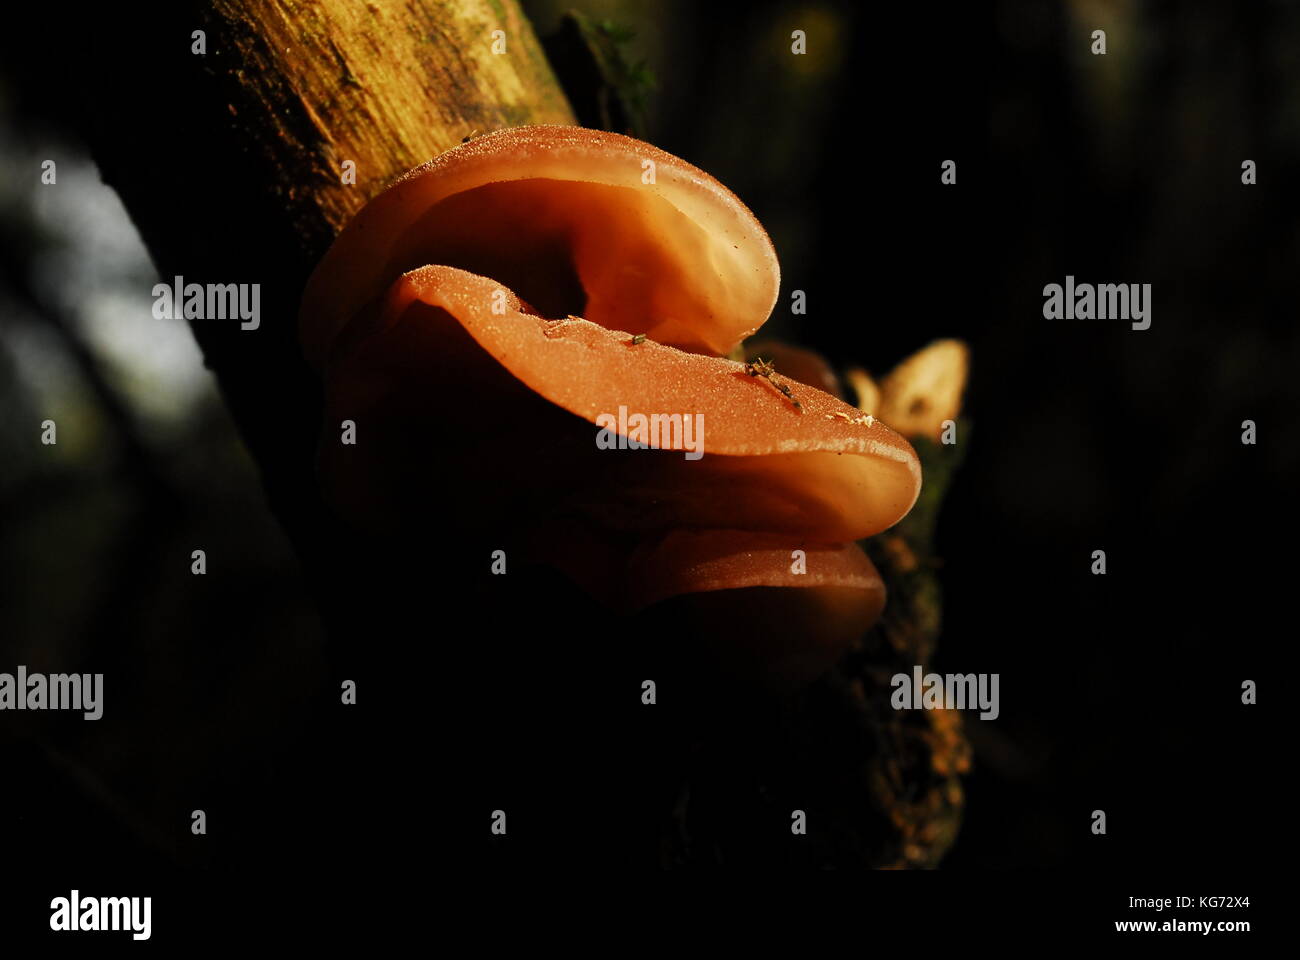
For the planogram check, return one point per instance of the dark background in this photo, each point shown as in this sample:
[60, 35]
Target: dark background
[1119, 692]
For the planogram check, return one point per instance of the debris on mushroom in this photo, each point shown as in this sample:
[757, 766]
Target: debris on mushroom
[764, 368]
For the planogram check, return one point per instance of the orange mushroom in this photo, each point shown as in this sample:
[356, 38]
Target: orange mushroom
[564, 217]
[481, 317]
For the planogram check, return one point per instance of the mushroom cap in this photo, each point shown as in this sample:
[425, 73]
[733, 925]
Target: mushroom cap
[747, 608]
[822, 470]
[926, 389]
[563, 217]
[732, 597]
[702, 561]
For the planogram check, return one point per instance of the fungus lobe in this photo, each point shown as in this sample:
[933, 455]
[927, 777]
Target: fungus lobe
[480, 316]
